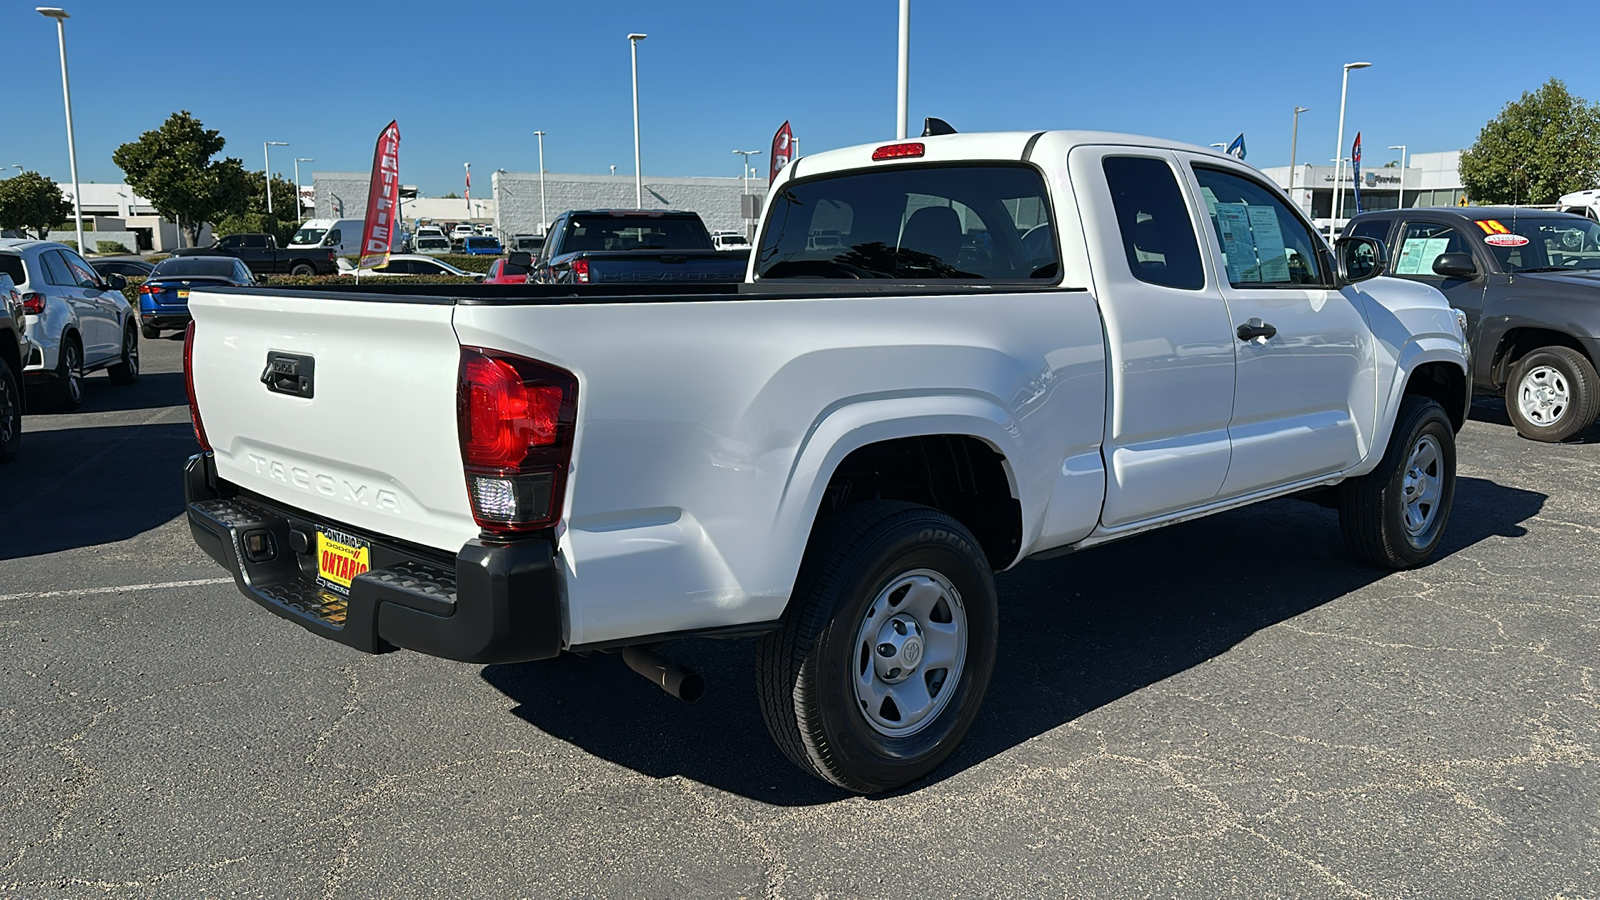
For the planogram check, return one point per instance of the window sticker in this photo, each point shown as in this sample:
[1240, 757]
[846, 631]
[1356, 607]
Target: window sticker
[1493, 226]
[1418, 254]
[1270, 252]
[1233, 224]
[1506, 240]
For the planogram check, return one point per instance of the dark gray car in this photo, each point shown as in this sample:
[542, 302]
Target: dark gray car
[1529, 283]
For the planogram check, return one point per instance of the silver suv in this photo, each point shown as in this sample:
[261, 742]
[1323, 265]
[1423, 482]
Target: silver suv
[76, 320]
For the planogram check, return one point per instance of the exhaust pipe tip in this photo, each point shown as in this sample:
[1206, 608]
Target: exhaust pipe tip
[675, 678]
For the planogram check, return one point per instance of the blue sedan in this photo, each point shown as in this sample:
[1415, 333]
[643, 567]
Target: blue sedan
[164, 296]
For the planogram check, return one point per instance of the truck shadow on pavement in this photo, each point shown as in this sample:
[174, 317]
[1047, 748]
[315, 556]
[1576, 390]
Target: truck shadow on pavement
[1077, 632]
[153, 391]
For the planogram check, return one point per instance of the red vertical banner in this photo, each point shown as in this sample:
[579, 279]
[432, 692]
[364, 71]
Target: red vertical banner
[782, 149]
[383, 199]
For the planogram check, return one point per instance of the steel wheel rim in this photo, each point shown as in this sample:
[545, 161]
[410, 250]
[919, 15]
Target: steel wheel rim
[130, 351]
[909, 652]
[74, 373]
[1423, 485]
[1544, 395]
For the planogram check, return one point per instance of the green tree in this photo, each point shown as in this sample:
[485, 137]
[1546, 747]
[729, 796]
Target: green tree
[1538, 148]
[30, 200]
[172, 167]
[252, 216]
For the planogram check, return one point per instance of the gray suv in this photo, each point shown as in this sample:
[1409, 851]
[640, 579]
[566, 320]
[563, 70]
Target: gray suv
[77, 320]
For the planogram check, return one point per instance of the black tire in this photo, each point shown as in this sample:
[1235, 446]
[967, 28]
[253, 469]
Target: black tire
[302, 268]
[1553, 394]
[126, 370]
[68, 389]
[10, 413]
[806, 669]
[1373, 509]
[150, 332]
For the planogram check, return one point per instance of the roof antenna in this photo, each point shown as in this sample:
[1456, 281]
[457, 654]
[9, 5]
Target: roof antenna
[932, 127]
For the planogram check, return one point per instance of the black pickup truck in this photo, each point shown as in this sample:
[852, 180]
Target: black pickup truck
[639, 246]
[1529, 284]
[261, 253]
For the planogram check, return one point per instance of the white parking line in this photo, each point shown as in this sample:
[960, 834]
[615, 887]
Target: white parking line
[84, 592]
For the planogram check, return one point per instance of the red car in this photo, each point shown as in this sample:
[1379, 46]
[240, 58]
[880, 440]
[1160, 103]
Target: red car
[504, 272]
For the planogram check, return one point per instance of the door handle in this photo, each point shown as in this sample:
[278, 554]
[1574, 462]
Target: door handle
[1255, 328]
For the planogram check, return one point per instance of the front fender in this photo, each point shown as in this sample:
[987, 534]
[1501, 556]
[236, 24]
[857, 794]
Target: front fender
[1415, 353]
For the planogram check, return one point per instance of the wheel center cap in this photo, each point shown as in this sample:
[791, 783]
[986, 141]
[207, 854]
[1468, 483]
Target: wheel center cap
[899, 649]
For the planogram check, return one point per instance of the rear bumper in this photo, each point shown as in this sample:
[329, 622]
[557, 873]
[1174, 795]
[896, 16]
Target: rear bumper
[492, 603]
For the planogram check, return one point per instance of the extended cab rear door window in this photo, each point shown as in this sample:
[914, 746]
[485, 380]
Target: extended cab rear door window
[1263, 243]
[986, 222]
[1156, 231]
[1419, 244]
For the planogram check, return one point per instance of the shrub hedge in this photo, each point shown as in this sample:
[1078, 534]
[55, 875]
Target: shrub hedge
[110, 247]
[461, 261]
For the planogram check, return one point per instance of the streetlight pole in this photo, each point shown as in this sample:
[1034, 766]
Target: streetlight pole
[1338, 151]
[544, 221]
[266, 147]
[299, 205]
[1401, 202]
[1294, 141]
[638, 175]
[61, 17]
[903, 94]
[745, 168]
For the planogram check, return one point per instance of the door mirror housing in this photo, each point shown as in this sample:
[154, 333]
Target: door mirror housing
[521, 258]
[116, 282]
[1455, 265]
[1360, 258]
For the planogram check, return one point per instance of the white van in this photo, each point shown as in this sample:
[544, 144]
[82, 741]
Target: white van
[342, 236]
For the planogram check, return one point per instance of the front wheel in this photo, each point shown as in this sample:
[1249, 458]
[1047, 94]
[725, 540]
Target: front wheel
[1553, 394]
[126, 369]
[884, 653]
[1394, 516]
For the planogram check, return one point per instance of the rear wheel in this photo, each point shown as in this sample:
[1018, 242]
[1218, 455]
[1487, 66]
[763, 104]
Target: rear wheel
[151, 332]
[1394, 516]
[1553, 394]
[10, 413]
[69, 373]
[126, 370]
[303, 269]
[885, 650]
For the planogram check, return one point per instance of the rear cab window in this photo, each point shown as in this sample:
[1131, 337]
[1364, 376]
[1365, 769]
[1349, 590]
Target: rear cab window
[965, 222]
[1157, 234]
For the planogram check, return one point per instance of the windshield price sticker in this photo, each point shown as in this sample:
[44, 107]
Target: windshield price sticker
[1506, 240]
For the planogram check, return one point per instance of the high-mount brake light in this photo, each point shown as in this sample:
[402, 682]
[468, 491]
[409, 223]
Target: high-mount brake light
[515, 420]
[580, 271]
[908, 150]
[33, 304]
[188, 384]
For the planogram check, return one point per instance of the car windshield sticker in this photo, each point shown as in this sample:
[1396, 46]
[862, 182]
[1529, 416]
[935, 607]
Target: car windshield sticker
[1269, 244]
[1233, 224]
[1418, 254]
[1506, 240]
[1493, 226]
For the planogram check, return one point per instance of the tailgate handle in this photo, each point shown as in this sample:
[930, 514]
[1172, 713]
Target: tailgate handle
[290, 373]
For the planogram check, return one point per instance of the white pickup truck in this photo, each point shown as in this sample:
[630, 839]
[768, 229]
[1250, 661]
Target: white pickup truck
[1024, 344]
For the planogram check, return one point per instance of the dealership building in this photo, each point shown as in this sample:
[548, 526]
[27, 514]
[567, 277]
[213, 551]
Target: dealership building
[1428, 179]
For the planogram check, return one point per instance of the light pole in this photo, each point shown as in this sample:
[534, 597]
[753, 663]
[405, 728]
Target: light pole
[299, 204]
[19, 169]
[638, 176]
[543, 221]
[745, 168]
[1401, 202]
[61, 17]
[903, 93]
[1294, 141]
[266, 149]
[1338, 151]
[468, 189]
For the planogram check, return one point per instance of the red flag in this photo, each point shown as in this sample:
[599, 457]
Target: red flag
[383, 199]
[782, 147]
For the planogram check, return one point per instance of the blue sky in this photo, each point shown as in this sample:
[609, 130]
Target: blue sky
[473, 81]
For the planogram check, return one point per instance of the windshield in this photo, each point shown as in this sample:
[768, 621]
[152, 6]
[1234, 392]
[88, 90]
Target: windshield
[733, 239]
[433, 243]
[482, 242]
[967, 222]
[1542, 243]
[186, 266]
[624, 232]
[308, 236]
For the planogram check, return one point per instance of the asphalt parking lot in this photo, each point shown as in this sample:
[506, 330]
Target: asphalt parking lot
[1227, 708]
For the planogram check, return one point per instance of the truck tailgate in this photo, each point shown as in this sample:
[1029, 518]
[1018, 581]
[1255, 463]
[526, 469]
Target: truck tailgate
[375, 445]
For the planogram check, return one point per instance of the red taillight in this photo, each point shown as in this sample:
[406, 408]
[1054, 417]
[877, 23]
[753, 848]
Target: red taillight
[899, 151]
[580, 271]
[33, 304]
[150, 289]
[188, 383]
[515, 420]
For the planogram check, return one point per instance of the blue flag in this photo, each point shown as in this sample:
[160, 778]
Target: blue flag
[1237, 147]
[1355, 162]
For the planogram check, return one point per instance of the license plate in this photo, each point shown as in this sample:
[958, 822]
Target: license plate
[340, 558]
[183, 295]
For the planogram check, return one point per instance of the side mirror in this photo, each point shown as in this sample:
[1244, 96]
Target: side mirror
[1360, 258]
[1454, 265]
[521, 258]
[116, 282]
